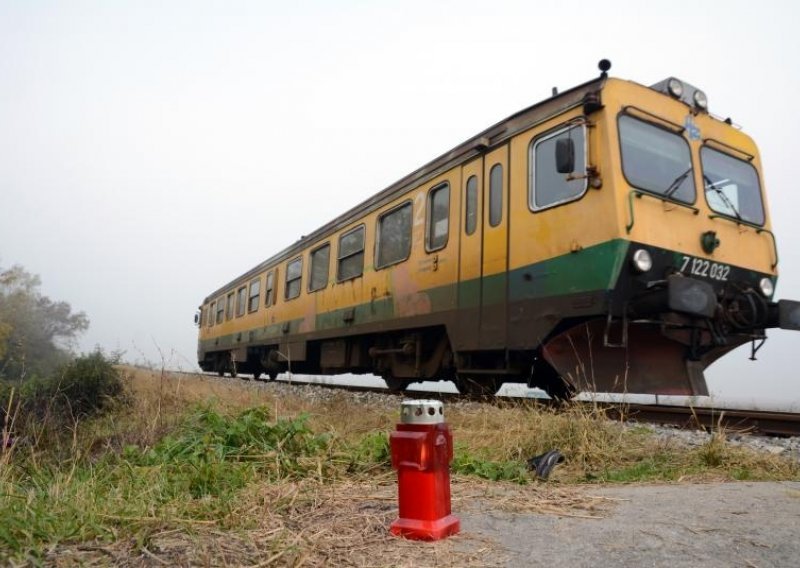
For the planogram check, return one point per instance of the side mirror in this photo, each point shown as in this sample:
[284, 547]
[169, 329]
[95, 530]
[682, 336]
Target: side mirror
[565, 155]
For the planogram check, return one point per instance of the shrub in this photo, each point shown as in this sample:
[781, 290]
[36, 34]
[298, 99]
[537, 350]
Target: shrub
[84, 386]
[89, 383]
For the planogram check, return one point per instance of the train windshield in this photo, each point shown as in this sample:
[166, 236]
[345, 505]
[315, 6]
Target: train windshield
[731, 186]
[656, 160]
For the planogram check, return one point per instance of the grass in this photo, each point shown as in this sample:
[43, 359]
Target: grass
[198, 470]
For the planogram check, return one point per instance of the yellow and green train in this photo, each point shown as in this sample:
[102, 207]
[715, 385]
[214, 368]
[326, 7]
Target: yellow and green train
[614, 238]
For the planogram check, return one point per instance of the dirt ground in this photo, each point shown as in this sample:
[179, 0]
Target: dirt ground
[752, 525]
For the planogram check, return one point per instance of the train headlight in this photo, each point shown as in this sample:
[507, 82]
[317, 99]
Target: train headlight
[642, 261]
[675, 88]
[767, 287]
[700, 100]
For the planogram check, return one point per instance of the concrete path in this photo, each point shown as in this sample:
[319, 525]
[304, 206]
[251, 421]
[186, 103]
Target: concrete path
[725, 524]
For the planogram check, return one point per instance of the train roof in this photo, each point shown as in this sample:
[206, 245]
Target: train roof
[474, 146]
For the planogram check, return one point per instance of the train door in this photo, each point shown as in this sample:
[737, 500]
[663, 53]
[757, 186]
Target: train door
[470, 263]
[494, 261]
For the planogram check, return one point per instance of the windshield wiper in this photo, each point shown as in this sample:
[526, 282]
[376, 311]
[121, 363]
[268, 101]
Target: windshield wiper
[725, 199]
[676, 183]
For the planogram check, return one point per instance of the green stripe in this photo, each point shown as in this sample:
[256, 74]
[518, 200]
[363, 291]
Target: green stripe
[590, 269]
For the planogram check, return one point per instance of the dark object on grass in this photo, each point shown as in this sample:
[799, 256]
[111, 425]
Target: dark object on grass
[544, 463]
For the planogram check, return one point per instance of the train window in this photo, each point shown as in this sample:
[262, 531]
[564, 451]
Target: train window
[294, 278]
[471, 218]
[731, 186]
[241, 301]
[229, 306]
[394, 236]
[438, 217]
[320, 264]
[547, 187]
[351, 254]
[656, 160]
[255, 295]
[269, 296]
[212, 310]
[221, 309]
[495, 195]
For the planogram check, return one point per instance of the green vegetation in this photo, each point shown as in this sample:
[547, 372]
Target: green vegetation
[467, 463]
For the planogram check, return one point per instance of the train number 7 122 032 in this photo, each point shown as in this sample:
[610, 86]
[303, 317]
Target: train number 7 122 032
[705, 268]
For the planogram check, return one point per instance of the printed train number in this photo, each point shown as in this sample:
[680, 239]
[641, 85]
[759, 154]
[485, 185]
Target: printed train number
[705, 268]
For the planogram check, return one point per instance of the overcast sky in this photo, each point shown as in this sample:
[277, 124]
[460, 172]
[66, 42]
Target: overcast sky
[151, 151]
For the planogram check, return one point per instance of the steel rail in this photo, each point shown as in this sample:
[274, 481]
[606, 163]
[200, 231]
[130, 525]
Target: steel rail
[768, 423]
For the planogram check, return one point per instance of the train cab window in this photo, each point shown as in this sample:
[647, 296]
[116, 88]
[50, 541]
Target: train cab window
[547, 187]
[471, 215]
[496, 195]
[394, 236]
[438, 217]
[731, 186]
[294, 278]
[320, 265]
[221, 310]
[212, 310]
[269, 295]
[255, 295]
[656, 160]
[241, 301]
[351, 255]
[229, 306]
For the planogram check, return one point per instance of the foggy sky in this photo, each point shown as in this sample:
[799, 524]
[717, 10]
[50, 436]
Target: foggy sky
[151, 151]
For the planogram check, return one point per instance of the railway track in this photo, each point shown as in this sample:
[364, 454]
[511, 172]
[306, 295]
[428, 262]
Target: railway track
[766, 423]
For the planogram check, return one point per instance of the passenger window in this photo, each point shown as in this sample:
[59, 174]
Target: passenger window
[394, 236]
[212, 310]
[320, 262]
[351, 254]
[471, 220]
[269, 297]
[255, 295]
[495, 195]
[547, 187]
[294, 278]
[229, 306]
[438, 217]
[221, 309]
[241, 301]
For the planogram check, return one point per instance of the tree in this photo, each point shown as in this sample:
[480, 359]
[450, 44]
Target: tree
[36, 333]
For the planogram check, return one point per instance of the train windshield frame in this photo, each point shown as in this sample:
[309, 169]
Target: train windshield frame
[732, 186]
[656, 160]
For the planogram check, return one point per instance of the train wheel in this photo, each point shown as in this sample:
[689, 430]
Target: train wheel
[477, 386]
[559, 390]
[394, 384]
[551, 382]
[257, 376]
[272, 375]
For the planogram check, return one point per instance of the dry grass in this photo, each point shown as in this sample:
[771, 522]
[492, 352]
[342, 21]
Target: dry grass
[343, 524]
[339, 514]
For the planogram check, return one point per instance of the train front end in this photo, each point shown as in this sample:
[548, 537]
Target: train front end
[696, 263]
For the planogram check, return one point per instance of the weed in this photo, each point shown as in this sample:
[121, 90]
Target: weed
[468, 463]
[368, 453]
